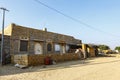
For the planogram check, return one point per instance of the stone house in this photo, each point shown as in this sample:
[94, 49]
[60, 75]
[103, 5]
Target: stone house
[25, 40]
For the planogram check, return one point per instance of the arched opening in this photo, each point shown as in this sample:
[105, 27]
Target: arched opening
[38, 48]
[49, 47]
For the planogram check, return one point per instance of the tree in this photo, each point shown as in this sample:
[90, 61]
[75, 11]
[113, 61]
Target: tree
[117, 48]
[103, 47]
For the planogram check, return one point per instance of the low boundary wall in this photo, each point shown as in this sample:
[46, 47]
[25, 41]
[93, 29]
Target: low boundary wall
[32, 59]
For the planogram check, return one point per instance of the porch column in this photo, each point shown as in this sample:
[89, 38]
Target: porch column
[84, 50]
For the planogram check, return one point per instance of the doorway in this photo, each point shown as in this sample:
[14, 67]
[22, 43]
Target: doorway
[38, 48]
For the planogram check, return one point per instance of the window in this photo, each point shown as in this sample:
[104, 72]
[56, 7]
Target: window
[23, 45]
[49, 47]
[57, 48]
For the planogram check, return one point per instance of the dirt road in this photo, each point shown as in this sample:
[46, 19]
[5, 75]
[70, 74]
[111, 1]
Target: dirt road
[103, 68]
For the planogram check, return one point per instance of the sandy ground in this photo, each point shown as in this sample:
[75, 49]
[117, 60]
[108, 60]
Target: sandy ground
[100, 68]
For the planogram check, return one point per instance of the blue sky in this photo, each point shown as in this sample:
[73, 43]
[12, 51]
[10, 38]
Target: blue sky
[101, 14]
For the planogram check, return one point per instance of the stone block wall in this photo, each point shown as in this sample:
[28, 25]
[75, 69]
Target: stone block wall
[34, 35]
[33, 60]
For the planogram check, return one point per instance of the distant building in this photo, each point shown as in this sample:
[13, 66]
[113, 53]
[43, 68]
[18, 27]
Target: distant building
[90, 50]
